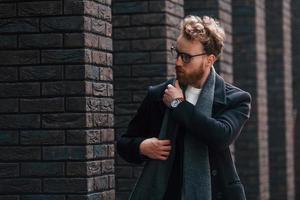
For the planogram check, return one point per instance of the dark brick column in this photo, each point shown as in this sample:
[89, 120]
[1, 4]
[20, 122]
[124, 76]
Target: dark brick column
[56, 100]
[220, 10]
[249, 61]
[280, 110]
[143, 34]
[296, 89]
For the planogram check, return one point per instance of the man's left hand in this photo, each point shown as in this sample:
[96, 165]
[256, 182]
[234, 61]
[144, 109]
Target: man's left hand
[172, 93]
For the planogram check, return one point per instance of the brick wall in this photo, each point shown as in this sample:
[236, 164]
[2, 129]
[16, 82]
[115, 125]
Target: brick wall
[280, 111]
[58, 93]
[296, 95]
[143, 34]
[221, 10]
[249, 61]
[56, 100]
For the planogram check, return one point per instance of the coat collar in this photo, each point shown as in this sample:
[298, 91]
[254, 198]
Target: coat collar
[220, 92]
[219, 96]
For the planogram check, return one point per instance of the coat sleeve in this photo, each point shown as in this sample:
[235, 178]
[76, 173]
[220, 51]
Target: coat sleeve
[129, 142]
[218, 132]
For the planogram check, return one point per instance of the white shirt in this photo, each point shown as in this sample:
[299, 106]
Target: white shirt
[192, 94]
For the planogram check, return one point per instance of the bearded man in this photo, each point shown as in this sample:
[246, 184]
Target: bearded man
[184, 126]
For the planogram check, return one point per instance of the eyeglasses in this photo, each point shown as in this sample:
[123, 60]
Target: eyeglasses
[186, 58]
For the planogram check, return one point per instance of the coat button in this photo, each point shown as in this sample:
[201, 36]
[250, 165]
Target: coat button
[214, 172]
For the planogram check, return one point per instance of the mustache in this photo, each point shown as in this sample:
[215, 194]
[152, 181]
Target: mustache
[179, 68]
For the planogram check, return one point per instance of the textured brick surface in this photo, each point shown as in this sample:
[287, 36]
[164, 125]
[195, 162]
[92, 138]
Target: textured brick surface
[296, 95]
[222, 11]
[56, 100]
[249, 47]
[143, 34]
[280, 111]
[61, 103]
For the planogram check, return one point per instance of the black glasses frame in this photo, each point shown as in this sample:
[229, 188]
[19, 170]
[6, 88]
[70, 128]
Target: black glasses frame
[186, 58]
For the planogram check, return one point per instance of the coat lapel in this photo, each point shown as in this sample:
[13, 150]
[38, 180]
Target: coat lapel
[220, 93]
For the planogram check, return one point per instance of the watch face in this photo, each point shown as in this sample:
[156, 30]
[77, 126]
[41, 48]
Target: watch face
[175, 103]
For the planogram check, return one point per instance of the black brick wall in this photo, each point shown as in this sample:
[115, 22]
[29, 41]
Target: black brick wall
[280, 111]
[249, 61]
[143, 34]
[296, 94]
[222, 11]
[56, 100]
[61, 104]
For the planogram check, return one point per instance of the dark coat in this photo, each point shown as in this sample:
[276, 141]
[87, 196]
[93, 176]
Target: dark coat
[231, 109]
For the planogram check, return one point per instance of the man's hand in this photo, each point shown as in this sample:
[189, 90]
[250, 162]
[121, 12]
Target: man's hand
[155, 148]
[172, 93]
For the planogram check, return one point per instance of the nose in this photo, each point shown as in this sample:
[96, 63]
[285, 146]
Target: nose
[179, 61]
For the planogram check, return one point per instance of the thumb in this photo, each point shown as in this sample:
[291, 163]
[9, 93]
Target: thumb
[177, 84]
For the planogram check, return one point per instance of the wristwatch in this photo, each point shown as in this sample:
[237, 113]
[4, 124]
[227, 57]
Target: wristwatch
[176, 102]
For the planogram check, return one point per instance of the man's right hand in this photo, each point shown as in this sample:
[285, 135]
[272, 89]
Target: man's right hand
[155, 148]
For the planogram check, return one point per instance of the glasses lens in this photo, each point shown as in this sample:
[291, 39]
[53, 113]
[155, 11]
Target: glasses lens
[185, 58]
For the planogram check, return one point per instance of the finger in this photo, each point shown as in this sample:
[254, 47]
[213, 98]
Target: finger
[162, 157]
[165, 153]
[165, 97]
[165, 142]
[170, 86]
[167, 92]
[165, 100]
[177, 84]
[166, 148]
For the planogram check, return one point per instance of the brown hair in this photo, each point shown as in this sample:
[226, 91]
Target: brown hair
[206, 30]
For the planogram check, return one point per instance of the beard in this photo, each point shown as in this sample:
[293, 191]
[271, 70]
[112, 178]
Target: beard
[189, 77]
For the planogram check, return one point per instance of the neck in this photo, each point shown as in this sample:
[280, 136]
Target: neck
[200, 83]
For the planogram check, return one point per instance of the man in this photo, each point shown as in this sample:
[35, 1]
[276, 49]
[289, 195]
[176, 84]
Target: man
[184, 127]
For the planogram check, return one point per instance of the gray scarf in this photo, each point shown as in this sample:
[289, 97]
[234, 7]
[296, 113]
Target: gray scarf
[153, 181]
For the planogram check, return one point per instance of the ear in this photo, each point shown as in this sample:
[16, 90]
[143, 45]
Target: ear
[211, 59]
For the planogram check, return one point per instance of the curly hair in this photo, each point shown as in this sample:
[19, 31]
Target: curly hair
[206, 30]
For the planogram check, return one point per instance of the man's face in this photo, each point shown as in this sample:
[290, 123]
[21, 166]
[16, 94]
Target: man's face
[190, 73]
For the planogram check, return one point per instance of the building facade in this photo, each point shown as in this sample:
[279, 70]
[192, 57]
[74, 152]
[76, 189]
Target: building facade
[73, 73]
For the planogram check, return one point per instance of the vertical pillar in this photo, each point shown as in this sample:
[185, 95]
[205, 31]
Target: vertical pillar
[220, 10]
[144, 31]
[249, 62]
[56, 100]
[280, 110]
[296, 87]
